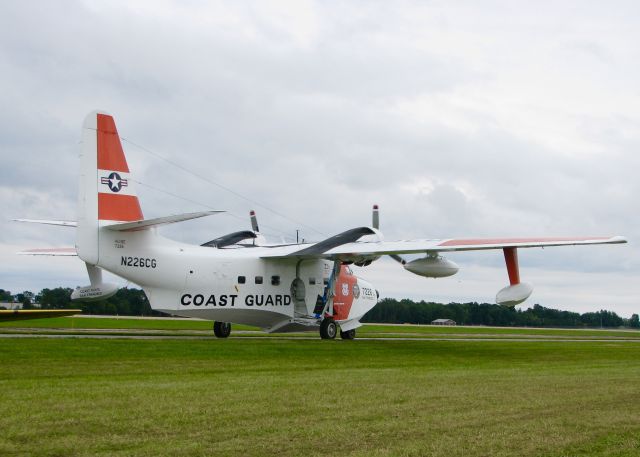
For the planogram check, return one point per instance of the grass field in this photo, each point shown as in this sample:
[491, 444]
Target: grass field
[270, 396]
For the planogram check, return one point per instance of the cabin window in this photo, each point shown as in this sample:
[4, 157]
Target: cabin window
[258, 279]
[275, 280]
[242, 279]
[312, 281]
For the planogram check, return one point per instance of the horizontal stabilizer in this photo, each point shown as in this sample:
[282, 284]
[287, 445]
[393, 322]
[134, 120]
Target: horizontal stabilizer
[50, 252]
[148, 223]
[41, 221]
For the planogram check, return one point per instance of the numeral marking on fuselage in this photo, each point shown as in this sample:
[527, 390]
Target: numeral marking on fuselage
[368, 293]
[141, 262]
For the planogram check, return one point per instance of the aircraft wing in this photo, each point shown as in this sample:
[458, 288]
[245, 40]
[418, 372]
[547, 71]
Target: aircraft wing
[25, 314]
[359, 249]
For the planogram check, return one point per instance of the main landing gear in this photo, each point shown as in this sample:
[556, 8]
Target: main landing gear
[329, 330]
[348, 335]
[221, 329]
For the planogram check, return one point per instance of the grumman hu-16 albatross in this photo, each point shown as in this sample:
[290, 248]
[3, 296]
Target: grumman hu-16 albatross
[239, 278]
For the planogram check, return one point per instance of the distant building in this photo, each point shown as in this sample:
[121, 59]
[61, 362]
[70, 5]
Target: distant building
[7, 305]
[443, 322]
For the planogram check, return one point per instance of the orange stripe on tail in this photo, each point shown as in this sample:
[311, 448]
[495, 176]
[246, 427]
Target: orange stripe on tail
[110, 153]
[124, 208]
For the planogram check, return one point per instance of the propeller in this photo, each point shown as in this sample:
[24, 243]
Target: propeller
[259, 240]
[375, 223]
[254, 221]
[431, 266]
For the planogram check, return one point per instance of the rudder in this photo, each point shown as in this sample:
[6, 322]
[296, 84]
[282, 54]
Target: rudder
[106, 192]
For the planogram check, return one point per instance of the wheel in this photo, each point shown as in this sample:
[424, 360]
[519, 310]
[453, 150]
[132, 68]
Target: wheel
[328, 329]
[222, 329]
[348, 335]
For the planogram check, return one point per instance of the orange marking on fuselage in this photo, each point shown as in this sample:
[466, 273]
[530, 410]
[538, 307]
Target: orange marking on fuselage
[342, 303]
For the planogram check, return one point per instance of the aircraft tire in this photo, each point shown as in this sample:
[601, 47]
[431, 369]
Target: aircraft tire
[348, 335]
[328, 329]
[221, 329]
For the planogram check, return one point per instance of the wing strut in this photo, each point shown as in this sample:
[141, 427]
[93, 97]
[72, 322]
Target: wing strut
[511, 259]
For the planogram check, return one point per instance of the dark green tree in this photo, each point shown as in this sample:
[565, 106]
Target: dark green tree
[5, 296]
[58, 298]
[26, 298]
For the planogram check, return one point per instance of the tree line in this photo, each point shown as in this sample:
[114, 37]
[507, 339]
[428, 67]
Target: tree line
[133, 302]
[126, 302]
[389, 310]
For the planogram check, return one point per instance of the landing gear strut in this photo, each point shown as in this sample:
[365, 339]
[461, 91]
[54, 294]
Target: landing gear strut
[328, 329]
[221, 329]
[348, 335]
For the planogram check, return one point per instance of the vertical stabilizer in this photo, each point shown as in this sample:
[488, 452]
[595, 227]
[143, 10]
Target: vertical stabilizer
[106, 192]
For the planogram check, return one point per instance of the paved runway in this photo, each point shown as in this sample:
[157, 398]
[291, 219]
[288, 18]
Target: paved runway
[283, 337]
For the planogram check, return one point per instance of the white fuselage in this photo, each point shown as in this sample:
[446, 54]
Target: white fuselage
[231, 284]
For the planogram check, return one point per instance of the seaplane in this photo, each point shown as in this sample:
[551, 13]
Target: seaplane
[239, 277]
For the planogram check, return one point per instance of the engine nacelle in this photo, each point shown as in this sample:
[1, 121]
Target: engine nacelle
[432, 267]
[94, 293]
[514, 295]
[374, 237]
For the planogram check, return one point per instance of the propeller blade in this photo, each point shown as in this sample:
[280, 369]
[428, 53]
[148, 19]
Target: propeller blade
[254, 221]
[375, 222]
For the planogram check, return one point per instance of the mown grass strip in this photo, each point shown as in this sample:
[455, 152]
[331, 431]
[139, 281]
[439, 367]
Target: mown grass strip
[289, 398]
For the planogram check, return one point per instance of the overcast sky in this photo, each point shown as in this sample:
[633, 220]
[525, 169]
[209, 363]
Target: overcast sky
[506, 119]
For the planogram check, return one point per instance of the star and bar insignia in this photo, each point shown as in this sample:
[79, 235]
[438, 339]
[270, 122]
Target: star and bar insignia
[114, 181]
